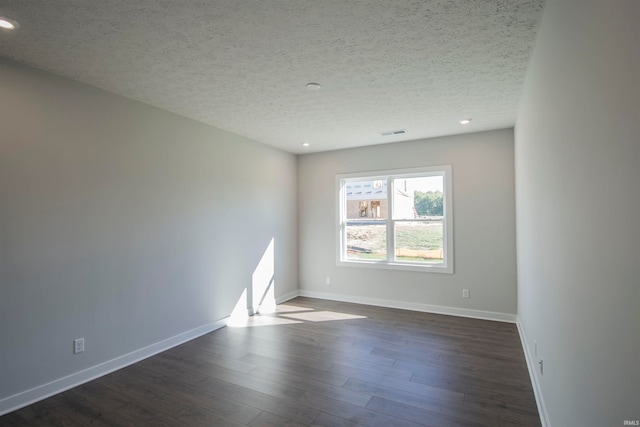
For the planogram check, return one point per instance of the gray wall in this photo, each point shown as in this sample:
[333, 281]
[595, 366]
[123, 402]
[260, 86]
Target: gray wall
[484, 228]
[578, 209]
[124, 224]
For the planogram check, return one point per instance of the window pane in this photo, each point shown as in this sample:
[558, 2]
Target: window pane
[366, 240]
[418, 197]
[419, 241]
[366, 199]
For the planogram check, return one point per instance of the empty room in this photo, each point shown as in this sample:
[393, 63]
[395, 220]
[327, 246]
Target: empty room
[330, 213]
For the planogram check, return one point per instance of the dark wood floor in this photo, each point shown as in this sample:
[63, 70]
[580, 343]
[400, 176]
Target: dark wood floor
[315, 362]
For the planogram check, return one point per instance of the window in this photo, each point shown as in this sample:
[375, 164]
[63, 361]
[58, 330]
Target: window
[400, 219]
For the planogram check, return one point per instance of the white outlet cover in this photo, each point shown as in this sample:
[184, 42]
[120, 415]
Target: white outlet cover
[78, 345]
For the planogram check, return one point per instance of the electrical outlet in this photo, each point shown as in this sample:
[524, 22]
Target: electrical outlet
[541, 362]
[328, 280]
[465, 293]
[78, 345]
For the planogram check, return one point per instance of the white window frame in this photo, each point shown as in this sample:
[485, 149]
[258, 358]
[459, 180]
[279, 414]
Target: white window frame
[391, 263]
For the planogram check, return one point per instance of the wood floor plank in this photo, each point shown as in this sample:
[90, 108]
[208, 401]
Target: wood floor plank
[419, 416]
[348, 396]
[352, 413]
[398, 354]
[13, 419]
[351, 369]
[86, 414]
[501, 394]
[326, 420]
[284, 365]
[193, 397]
[513, 374]
[519, 420]
[46, 412]
[403, 384]
[289, 409]
[481, 415]
[267, 419]
[133, 392]
[515, 407]
[199, 416]
[321, 363]
[99, 396]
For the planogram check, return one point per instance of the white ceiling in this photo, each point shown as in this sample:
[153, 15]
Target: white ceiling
[242, 65]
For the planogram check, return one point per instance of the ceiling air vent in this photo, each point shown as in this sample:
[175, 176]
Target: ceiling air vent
[393, 132]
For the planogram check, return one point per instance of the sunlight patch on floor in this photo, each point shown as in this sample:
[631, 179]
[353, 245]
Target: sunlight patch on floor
[258, 320]
[283, 314]
[323, 316]
[284, 308]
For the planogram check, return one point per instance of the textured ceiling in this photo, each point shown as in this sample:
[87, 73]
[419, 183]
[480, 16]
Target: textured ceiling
[242, 65]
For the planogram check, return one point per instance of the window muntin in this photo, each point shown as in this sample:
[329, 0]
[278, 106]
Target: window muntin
[396, 219]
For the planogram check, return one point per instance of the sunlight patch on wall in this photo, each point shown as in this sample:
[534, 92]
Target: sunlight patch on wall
[239, 315]
[263, 282]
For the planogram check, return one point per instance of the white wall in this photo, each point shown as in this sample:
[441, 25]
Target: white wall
[578, 211]
[123, 224]
[484, 234]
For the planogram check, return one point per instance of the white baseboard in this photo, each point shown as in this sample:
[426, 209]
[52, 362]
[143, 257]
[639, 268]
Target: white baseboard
[532, 366]
[20, 400]
[286, 297]
[404, 305]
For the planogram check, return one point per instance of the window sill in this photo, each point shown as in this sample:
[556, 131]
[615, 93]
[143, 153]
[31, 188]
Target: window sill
[385, 265]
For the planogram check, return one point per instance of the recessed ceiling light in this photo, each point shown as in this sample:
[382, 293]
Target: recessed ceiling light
[313, 86]
[305, 144]
[465, 121]
[8, 23]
